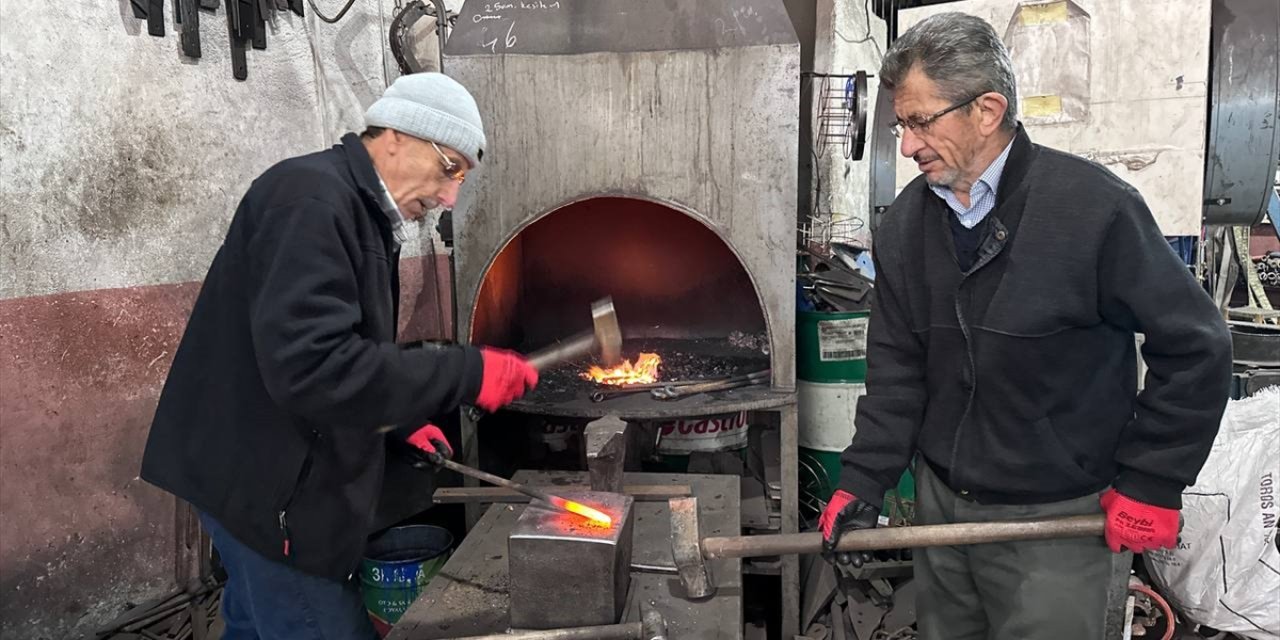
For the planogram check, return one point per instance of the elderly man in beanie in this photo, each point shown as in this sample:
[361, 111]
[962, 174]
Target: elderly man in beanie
[1011, 279]
[288, 381]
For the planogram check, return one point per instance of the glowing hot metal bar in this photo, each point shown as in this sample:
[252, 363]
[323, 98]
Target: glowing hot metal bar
[567, 506]
[584, 511]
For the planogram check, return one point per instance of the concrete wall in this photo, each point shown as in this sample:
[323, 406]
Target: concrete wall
[122, 165]
[845, 45]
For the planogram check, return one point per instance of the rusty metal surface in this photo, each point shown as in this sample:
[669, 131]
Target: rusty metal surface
[566, 571]
[470, 595]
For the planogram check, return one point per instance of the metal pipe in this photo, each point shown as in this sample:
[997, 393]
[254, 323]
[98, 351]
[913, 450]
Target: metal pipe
[934, 535]
[624, 631]
[442, 23]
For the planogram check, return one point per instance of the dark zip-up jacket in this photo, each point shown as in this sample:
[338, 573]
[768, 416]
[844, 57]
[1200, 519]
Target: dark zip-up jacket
[1016, 379]
[270, 418]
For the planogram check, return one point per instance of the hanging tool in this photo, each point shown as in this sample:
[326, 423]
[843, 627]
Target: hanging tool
[155, 17]
[691, 551]
[189, 18]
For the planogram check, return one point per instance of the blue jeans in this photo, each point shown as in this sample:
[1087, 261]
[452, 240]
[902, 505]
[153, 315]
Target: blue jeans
[268, 600]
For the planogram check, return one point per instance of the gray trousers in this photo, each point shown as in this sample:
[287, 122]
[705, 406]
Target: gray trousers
[1035, 590]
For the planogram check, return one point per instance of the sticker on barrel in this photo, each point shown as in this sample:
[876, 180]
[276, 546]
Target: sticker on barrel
[842, 340]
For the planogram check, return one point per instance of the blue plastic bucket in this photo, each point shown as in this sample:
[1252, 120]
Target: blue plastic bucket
[397, 565]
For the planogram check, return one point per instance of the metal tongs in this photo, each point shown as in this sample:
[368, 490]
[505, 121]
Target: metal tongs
[675, 392]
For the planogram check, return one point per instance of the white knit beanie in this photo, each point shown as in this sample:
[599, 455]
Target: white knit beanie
[434, 107]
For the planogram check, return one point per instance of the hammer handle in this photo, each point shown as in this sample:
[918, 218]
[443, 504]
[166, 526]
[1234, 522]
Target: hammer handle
[932, 535]
[571, 349]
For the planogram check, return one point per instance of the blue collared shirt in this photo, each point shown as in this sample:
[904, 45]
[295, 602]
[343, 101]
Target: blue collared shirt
[982, 195]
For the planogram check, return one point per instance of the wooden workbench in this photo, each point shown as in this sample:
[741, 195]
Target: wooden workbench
[469, 595]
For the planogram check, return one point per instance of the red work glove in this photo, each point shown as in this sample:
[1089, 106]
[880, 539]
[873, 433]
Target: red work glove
[507, 376]
[845, 512]
[430, 439]
[1138, 525]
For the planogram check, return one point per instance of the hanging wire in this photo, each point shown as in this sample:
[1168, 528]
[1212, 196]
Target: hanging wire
[868, 37]
[335, 19]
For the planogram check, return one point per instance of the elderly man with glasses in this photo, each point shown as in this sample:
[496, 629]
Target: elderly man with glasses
[289, 384]
[1011, 281]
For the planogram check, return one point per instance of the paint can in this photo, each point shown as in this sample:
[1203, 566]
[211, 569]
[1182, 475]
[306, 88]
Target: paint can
[397, 565]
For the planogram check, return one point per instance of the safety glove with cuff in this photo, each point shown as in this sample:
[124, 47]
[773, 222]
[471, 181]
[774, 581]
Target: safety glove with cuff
[1138, 526]
[430, 443]
[846, 512]
[506, 377]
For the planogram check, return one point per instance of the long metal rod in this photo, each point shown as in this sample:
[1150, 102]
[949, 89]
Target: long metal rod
[625, 631]
[551, 500]
[935, 535]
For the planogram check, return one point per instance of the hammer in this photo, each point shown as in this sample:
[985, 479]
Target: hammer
[691, 551]
[605, 337]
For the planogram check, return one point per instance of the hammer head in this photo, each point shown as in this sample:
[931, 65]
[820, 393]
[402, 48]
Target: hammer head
[608, 335]
[686, 549]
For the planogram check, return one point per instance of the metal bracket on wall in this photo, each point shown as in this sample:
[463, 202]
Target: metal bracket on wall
[883, 163]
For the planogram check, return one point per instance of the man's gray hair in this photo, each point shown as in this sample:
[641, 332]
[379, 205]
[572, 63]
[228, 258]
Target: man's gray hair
[959, 52]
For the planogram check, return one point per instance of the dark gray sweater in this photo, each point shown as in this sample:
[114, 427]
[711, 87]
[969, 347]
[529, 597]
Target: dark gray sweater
[1016, 379]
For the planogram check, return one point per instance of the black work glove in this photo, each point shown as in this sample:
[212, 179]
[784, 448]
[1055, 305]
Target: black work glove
[845, 512]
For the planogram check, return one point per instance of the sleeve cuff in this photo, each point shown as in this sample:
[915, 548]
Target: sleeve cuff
[1153, 490]
[473, 374]
[861, 486]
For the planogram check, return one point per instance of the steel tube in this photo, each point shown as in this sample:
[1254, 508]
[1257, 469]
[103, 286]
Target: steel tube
[625, 631]
[937, 535]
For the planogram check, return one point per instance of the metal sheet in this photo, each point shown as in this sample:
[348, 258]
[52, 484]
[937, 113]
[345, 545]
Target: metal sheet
[566, 571]
[585, 26]
[710, 135]
[1244, 139]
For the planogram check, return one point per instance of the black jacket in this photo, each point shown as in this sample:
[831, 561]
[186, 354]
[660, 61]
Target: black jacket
[270, 418]
[1017, 380]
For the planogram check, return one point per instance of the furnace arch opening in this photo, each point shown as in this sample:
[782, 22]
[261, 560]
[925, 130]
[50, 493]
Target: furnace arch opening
[671, 276]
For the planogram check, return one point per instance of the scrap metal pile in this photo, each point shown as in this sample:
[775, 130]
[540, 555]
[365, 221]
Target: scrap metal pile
[841, 281]
[183, 614]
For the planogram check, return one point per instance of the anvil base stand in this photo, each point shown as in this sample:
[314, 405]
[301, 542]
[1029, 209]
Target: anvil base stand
[783, 403]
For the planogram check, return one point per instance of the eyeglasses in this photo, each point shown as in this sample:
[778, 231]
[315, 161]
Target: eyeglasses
[451, 169]
[923, 124]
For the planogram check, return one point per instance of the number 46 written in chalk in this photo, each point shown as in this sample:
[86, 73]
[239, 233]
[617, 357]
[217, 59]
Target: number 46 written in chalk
[509, 41]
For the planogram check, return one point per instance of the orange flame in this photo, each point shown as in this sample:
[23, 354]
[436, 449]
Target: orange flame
[583, 510]
[644, 371]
